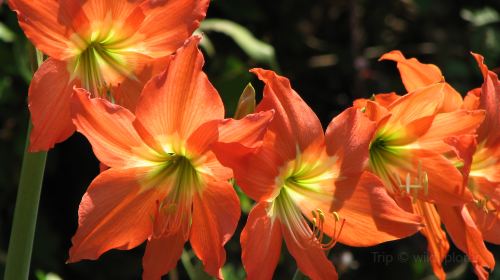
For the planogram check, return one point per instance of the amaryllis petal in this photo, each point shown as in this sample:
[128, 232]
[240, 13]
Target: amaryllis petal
[162, 254]
[467, 237]
[48, 24]
[256, 174]
[489, 101]
[114, 201]
[437, 243]
[348, 136]
[445, 125]
[109, 129]
[370, 212]
[232, 138]
[385, 99]
[216, 212]
[261, 243]
[239, 138]
[295, 124]
[49, 103]
[112, 16]
[416, 75]
[487, 222]
[420, 103]
[127, 92]
[160, 35]
[180, 99]
[464, 147]
[311, 259]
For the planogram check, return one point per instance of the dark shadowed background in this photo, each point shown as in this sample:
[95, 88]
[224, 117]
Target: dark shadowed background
[329, 51]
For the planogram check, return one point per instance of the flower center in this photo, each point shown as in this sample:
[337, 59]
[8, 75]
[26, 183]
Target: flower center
[391, 164]
[290, 215]
[100, 66]
[183, 181]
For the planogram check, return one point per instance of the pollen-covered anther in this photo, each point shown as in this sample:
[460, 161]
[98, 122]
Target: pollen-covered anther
[318, 233]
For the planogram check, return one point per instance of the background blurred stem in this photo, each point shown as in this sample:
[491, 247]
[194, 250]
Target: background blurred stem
[188, 266]
[297, 275]
[26, 210]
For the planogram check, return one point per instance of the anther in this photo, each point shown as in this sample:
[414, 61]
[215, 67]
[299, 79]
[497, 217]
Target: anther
[318, 229]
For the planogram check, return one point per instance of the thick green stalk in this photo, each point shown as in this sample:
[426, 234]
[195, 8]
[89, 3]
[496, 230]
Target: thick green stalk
[25, 213]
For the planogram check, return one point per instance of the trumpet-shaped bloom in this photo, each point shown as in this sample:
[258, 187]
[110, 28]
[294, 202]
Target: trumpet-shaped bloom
[481, 156]
[164, 183]
[110, 48]
[409, 151]
[302, 176]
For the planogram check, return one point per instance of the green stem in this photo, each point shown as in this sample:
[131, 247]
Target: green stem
[188, 266]
[25, 213]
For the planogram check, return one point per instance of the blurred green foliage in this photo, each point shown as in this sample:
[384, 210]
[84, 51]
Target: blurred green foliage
[328, 49]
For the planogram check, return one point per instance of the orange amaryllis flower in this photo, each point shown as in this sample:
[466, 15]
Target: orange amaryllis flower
[481, 156]
[110, 48]
[164, 183]
[301, 176]
[408, 152]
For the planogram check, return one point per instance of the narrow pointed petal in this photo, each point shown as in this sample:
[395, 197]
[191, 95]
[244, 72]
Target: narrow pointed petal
[114, 201]
[295, 124]
[348, 136]
[109, 129]
[261, 243]
[414, 74]
[216, 212]
[180, 99]
[417, 75]
[451, 124]
[162, 255]
[466, 236]
[489, 100]
[437, 243]
[369, 212]
[49, 103]
[311, 259]
[161, 35]
[48, 24]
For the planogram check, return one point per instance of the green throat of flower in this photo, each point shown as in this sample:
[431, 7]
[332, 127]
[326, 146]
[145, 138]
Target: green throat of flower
[181, 181]
[98, 66]
[392, 165]
[381, 155]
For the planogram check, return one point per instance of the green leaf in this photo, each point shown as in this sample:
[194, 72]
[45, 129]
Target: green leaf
[253, 47]
[481, 17]
[5, 34]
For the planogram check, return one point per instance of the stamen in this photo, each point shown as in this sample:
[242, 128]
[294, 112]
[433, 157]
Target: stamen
[318, 234]
[420, 182]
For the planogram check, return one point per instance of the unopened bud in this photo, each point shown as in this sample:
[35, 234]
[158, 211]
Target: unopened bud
[246, 104]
